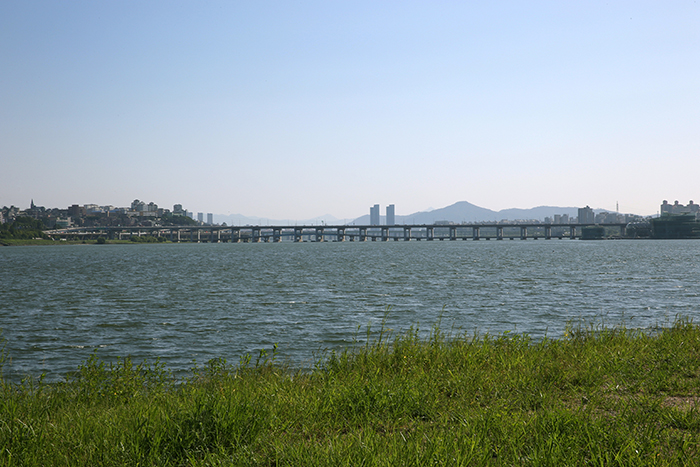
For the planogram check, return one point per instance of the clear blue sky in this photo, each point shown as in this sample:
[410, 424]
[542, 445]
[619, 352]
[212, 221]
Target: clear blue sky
[290, 110]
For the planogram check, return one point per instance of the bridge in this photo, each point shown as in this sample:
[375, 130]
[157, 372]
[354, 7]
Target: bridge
[338, 233]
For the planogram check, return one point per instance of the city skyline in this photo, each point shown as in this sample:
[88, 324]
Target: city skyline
[459, 212]
[290, 111]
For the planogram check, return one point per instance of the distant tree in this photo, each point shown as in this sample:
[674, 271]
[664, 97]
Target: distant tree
[174, 219]
[22, 228]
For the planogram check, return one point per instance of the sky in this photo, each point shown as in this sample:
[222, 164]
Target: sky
[292, 110]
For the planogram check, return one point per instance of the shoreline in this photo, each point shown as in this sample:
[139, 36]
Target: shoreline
[595, 396]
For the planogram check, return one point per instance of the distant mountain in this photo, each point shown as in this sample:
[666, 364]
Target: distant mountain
[458, 213]
[463, 211]
[538, 213]
[239, 219]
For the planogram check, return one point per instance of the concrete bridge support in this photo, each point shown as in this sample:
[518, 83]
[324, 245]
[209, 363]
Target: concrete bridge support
[499, 233]
[548, 232]
[523, 233]
[475, 233]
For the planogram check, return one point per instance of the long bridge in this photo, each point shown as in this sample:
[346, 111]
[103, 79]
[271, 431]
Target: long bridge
[339, 233]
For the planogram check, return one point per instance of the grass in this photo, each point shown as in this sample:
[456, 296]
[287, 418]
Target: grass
[597, 396]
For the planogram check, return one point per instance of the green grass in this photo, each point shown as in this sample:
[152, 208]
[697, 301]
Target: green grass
[595, 397]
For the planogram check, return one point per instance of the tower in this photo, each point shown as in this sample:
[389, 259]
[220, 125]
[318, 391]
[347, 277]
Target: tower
[374, 215]
[390, 215]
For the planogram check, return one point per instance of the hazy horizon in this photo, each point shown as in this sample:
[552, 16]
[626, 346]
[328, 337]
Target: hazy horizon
[292, 111]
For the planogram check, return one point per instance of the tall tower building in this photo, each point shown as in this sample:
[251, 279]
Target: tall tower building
[374, 215]
[210, 218]
[390, 215]
[200, 217]
[586, 215]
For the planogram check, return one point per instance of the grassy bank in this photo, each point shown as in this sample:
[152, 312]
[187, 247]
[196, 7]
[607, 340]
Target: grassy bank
[595, 397]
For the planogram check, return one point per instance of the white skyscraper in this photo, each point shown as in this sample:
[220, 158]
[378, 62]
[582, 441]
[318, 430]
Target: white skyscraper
[390, 215]
[374, 215]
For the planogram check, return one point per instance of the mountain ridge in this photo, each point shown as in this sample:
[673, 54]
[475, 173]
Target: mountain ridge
[459, 212]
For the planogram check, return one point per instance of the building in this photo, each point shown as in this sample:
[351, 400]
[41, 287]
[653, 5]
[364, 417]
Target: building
[138, 206]
[210, 218]
[586, 215]
[677, 208]
[390, 215]
[200, 217]
[684, 225]
[374, 215]
[76, 211]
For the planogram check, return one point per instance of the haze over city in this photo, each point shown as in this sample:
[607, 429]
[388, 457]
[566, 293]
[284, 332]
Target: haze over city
[292, 111]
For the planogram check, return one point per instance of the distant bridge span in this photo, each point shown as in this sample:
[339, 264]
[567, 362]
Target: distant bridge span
[320, 233]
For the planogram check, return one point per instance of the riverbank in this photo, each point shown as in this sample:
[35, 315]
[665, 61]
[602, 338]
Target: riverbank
[596, 396]
[41, 241]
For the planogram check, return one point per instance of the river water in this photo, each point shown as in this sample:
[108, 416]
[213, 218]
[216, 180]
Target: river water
[186, 303]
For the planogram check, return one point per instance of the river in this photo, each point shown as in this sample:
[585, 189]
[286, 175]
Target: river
[187, 303]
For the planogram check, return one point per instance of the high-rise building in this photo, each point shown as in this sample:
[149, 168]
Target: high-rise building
[586, 215]
[374, 215]
[210, 218]
[200, 217]
[390, 215]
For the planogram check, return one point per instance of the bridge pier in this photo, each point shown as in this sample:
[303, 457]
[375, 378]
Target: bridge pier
[523, 233]
[475, 233]
[499, 233]
[547, 232]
